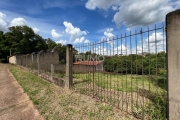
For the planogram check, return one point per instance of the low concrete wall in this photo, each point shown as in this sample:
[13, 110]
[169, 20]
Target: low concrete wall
[12, 60]
[83, 68]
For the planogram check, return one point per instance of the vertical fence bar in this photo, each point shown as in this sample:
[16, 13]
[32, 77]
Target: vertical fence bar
[122, 99]
[165, 72]
[137, 106]
[89, 70]
[156, 60]
[118, 95]
[80, 73]
[131, 73]
[173, 63]
[149, 61]
[126, 72]
[104, 71]
[106, 75]
[110, 73]
[101, 71]
[114, 81]
[93, 71]
[142, 71]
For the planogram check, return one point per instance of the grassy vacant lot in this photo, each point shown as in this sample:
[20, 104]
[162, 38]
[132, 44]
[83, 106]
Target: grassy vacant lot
[144, 95]
[56, 103]
[124, 83]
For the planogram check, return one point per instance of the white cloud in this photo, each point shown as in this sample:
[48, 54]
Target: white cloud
[142, 12]
[100, 50]
[3, 22]
[36, 30]
[115, 8]
[135, 12]
[74, 32]
[55, 35]
[103, 50]
[63, 42]
[108, 33]
[86, 41]
[18, 21]
[79, 40]
[156, 42]
[101, 4]
[121, 47]
[176, 4]
[158, 36]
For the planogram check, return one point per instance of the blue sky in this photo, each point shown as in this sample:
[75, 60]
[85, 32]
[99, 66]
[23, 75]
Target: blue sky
[84, 21]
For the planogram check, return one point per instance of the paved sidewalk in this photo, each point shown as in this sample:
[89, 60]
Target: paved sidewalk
[14, 103]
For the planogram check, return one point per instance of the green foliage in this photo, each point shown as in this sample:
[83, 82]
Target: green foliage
[20, 40]
[62, 53]
[137, 64]
[51, 44]
[157, 109]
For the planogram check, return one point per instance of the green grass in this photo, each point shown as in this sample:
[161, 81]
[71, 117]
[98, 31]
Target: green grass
[124, 83]
[150, 88]
[59, 75]
[56, 103]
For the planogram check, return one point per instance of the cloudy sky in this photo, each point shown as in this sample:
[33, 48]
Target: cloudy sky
[84, 21]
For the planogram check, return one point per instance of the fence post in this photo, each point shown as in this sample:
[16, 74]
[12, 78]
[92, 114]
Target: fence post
[52, 71]
[27, 62]
[38, 61]
[32, 60]
[69, 65]
[173, 64]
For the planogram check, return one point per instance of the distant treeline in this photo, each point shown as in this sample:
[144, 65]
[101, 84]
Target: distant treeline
[137, 64]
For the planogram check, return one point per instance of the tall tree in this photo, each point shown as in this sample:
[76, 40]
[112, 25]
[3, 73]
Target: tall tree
[62, 52]
[51, 44]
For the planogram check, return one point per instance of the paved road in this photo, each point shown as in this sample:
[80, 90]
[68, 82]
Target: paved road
[14, 103]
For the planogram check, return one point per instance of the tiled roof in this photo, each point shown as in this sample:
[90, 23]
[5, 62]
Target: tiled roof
[87, 62]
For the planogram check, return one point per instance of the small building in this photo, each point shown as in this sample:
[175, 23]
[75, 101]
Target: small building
[87, 66]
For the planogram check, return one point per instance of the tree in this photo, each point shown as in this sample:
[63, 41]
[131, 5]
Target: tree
[38, 44]
[62, 53]
[50, 44]
[20, 40]
[4, 49]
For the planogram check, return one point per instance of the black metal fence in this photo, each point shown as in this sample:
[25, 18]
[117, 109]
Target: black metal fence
[127, 71]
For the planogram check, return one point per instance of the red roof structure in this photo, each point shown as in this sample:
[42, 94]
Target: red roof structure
[87, 63]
